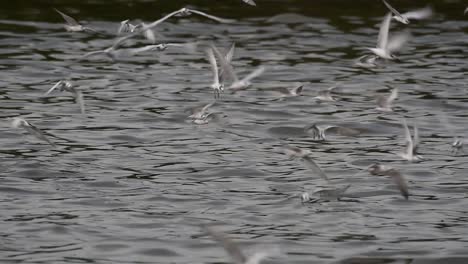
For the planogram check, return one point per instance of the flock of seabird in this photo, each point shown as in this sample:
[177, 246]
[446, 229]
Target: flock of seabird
[224, 77]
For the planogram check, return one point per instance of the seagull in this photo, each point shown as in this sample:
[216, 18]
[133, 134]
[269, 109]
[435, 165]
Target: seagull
[411, 144]
[21, 123]
[304, 155]
[405, 17]
[217, 86]
[325, 95]
[72, 25]
[249, 2]
[385, 103]
[67, 86]
[400, 181]
[188, 11]
[233, 250]
[385, 46]
[226, 67]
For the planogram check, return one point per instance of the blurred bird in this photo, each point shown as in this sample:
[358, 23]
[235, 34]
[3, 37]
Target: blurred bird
[410, 153]
[67, 86]
[400, 181]
[72, 25]
[384, 103]
[36, 132]
[385, 46]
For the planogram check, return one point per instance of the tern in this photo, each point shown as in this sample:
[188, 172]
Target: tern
[385, 46]
[237, 84]
[325, 95]
[384, 103]
[304, 155]
[21, 123]
[216, 85]
[233, 250]
[200, 112]
[404, 18]
[411, 144]
[400, 181]
[72, 25]
[68, 86]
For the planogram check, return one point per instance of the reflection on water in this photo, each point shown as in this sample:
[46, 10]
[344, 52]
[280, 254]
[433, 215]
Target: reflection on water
[132, 180]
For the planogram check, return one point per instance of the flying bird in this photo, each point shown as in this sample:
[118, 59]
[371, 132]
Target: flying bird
[68, 86]
[384, 103]
[412, 143]
[36, 132]
[216, 85]
[304, 155]
[72, 25]
[385, 46]
[233, 250]
[398, 179]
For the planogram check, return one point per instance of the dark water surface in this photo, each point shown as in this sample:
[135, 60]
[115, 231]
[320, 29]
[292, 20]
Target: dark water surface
[133, 179]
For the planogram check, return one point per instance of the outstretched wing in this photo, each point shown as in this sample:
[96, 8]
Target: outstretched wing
[314, 167]
[70, 20]
[37, 133]
[400, 182]
[422, 13]
[233, 251]
[393, 10]
[382, 40]
[250, 2]
[214, 66]
[215, 18]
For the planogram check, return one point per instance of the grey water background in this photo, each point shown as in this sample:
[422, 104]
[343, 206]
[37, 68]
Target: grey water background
[133, 179]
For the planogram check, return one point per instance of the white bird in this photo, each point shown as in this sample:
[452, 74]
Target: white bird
[329, 193]
[398, 179]
[68, 86]
[233, 250]
[237, 84]
[410, 153]
[21, 123]
[304, 155]
[384, 103]
[404, 18]
[249, 2]
[216, 85]
[325, 95]
[385, 46]
[72, 25]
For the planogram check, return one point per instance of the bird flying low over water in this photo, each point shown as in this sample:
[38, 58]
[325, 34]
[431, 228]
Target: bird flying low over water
[73, 25]
[412, 143]
[68, 86]
[237, 256]
[18, 122]
[387, 46]
[384, 103]
[400, 181]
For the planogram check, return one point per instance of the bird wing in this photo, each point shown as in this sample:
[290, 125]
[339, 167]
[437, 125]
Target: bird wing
[70, 20]
[422, 13]
[225, 66]
[397, 41]
[149, 34]
[214, 66]
[314, 167]
[232, 249]
[79, 100]
[124, 27]
[37, 133]
[400, 182]
[393, 10]
[297, 89]
[215, 18]
[408, 140]
[415, 139]
[393, 96]
[59, 83]
[257, 72]
[230, 53]
[383, 32]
